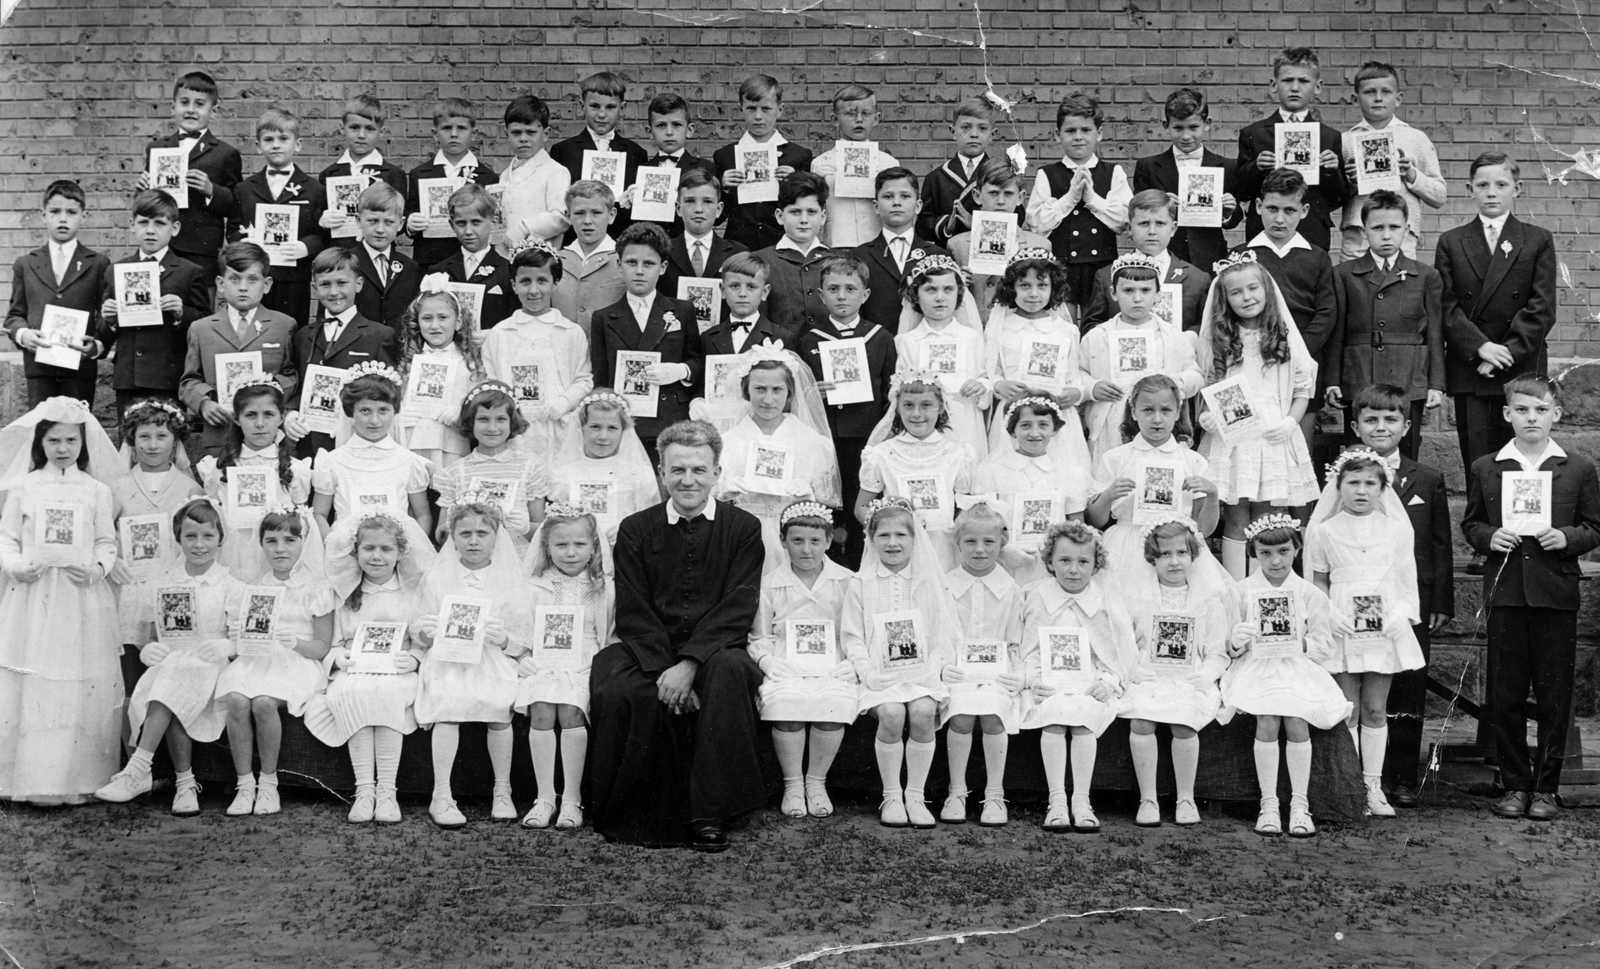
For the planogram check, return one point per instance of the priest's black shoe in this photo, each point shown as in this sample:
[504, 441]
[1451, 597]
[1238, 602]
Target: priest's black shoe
[1513, 805]
[1542, 807]
[1403, 797]
[709, 837]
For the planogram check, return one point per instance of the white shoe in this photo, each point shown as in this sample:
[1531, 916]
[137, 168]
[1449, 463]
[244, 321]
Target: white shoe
[1270, 819]
[387, 809]
[444, 813]
[244, 801]
[1300, 825]
[502, 807]
[794, 800]
[955, 808]
[1378, 806]
[540, 814]
[571, 815]
[1148, 815]
[818, 804]
[125, 785]
[1057, 819]
[362, 808]
[892, 812]
[917, 813]
[186, 799]
[1187, 814]
[267, 799]
[1083, 818]
[994, 812]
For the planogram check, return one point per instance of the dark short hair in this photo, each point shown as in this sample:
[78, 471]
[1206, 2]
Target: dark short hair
[749, 264]
[604, 82]
[528, 109]
[1534, 385]
[488, 397]
[454, 108]
[368, 387]
[199, 82]
[668, 103]
[152, 203]
[1380, 397]
[996, 171]
[42, 428]
[1384, 200]
[893, 175]
[697, 177]
[241, 256]
[1491, 158]
[1372, 70]
[1080, 104]
[843, 264]
[690, 434]
[363, 105]
[1185, 103]
[333, 259]
[1284, 181]
[67, 189]
[978, 107]
[646, 234]
[538, 259]
[799, 185]
[201, 511]
[758, 86]
[1152, 200]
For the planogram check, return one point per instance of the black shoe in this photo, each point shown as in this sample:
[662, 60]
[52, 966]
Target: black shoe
[709, 837]
[1542, 807]
[1513, 805]
[1403, 797]
[1475, 567]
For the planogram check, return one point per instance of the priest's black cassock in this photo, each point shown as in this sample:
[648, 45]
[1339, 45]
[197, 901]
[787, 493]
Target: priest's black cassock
[686, 588]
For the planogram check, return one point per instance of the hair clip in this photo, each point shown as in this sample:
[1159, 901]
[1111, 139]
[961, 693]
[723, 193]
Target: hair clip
[885, 503]
[374, 368]
[1031, 400]
[1352, 454]
[805, 509]
[1269, 522]
[1170, 519]
[1133, 260]
[488, 387]
[563, 511]
[1233, 260]
[1029, 253]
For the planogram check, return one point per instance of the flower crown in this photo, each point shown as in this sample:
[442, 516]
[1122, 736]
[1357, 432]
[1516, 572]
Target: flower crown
[1133, 260]
[1233, 260]
[1356, 452]
[255, 380]
[488, 387]
[1029, 253]
[902, 377]
[369, 516]
[152, 403]
[1031, 400]
[1170, 519]
[1267, 523]
[805, 509]
[435, 283]
[938, 263]
[478, 497]
[373, 368]
[885, 503]
[610, 397]
[563, 511]
[534, 245]
[284, 508]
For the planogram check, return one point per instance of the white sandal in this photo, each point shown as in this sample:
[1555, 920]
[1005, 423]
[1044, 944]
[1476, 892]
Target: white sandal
[1270, 820]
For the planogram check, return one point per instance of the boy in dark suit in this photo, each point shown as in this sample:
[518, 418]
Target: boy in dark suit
[1380, 422]
[1499, 306]
[698, 251]
[63, 272]
[1188, 120]
[947, 191]
[392, 280]
[1387, 322]
[1152, 218]
[898, 247]
[1530, 588]
[472, 218]
[844, 291]
[215, 169]
[1296, 84]
[604, 96]
[283, 182]
[670, 129]
[361, 127]
[796, 298]
[645, 320]
[149, 359]
[454, 125]
[753, 224]
[340, 337]
[744, 287]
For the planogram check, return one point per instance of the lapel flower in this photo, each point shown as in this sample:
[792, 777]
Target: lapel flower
[468, 173]
[395, 266]
[917, 255]
[1402, 273]
[1505, 247]
[291, 189]
[670, 318]
[1177, 272]
[484, 271]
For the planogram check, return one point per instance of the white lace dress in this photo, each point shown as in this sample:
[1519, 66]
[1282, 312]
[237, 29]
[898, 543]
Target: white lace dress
[1290, 686]
[1357, 552]
[183, 682]
[1110, 633]
[1103, 358]
[966, 414]
[241, 552]
[1013, 478]
[609, 487]
[547, 358]
[1048, 345]
[813, 473]
[1165, 694]
[140, 493]
[285, 674]
[804, 699]
[356, 700]
[435, 437]
[873, 592]
[378, 475]
[929, 473]
[1123, 540]
[482, 692]
[1256, 470]
[569, 687]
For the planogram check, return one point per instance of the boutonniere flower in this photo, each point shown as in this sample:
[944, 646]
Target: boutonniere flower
[291, 189]
[1505, 247]
[395, 266]
[1403, 273]
[484, 271]
[468, 172]
[917, 255]
[1177, 273]
[670, 318]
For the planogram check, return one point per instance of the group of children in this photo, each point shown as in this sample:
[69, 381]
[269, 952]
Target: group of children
[978, 430]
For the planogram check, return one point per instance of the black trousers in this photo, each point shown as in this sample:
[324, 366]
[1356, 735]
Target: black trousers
[1537, 648]
[79, 385]
[1481, 427]
[651, 772]
[855, 534]
[1408, 700]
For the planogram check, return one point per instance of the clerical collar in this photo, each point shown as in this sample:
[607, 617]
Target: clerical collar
[708, 512]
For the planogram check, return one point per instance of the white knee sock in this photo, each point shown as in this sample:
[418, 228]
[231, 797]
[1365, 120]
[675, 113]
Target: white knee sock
[574, 749]
[995, 746]
[1142, 746]
[386, 743]
[1267, 767]
[890, 756]
[500, 743]
[1355, 736]
[1185, 759]
[1233, 558]
[542, 748]
[824, 746]
[446, 740]
[361, 761]
[1084, 747]
[1053, 750]
[791, 748]
[919, 757]
[1374, 740]
[1298, 757]
[958, 750]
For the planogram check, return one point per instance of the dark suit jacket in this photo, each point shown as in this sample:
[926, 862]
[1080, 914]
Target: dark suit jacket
[388, 172]
[151, 357]
[683, 163]
[33, 287]
[754, 224]
[679, 264]
[303, 192]
[720, 338]
[215, 334]
[496, 306]
[429, 251]
[1194, 280]
[1421, 489]
[1505, 297]
[1532, 576]
[1385, 334]
[363, 341]
[796, 298]
[613, 328]
[1200, 247]
[1325, 198]
[884, 304]
[387, 305]
[203, 225]
[943, 187]
[569, 154]
[854, 421]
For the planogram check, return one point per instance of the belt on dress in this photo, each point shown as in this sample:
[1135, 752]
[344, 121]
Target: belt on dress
[1381, 338]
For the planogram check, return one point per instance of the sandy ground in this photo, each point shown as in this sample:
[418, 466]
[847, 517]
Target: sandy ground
[1447, 885]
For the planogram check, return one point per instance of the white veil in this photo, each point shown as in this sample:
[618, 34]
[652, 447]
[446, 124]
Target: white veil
[536, 562]
[966, 313]
[883, 430]
[630, 452]
[16, 442]
[180, 454]
[344, 573]
[1205, 357]
[927, 573]
[1399, 584]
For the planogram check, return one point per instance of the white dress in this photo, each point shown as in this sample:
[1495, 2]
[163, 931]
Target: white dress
[1012, 344]
[547, 359]
[381, 475]
[1257, 470]
[1171, 352]
[140, 493]
[1123, 542]
[804, 699]
[1013, 478]
[241, 552]
[435, 437]
[813, 472]
[1110, 633]
[966, 415]
[569, 687]
[605, 487]
[286, 674]
[876, 590]
[1358, 553]
[987, 607]
[356, 700]
[61, 686]
[481, 692]
[1292, 686]
[905, 467]
[183, 682]
[1167, 695]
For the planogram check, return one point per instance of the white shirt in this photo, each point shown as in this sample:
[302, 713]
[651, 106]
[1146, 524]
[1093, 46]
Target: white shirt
[336, 324]
[601, 142]
[1262, 239]
[690, 241]
[1511, 453]
[156, 256]
[380, 260]
[672, 159]
[1193, 159]
[245, 326]
[1493, 228]
[905, 251]
[373, 158]
[469, 160]
[192, 135]
[470, 261]
[969, 165]
[641, 306]
[788, 243]
[277, 178]
[709, 512]
[605, 245]
[741, 329]
[1295, 118]
[1385, 265]
[61, 256]
[776, 139]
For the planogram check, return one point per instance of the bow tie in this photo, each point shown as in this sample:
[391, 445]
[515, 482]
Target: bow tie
[665, 160]
[188, 135]
[146, 257]
[279, 172]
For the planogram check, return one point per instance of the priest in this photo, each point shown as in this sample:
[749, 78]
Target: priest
[672, 701]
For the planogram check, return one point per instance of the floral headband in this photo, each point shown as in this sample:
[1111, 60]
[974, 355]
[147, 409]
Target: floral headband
[255, 380]
[805, 509]
[284, 508]
[885, 503]
[1233, 260]
[609, 396]
[938, 265]
[1169, 519]
[373, 368]
[478, 497]
[383, 516]
[1267, 523]
[152, 404]
[534, 245]
[1346, 457]
[1133, 260]
[1030, 253]
[1031, 400]
[563, 511]
[488, 387]
[900, 378]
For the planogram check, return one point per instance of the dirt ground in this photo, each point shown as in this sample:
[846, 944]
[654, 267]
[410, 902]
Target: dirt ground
[1446, 885]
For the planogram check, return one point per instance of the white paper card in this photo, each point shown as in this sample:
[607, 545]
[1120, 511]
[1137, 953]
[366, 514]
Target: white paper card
[1277, 625]
[768, 468]
[657, 194]
[433, 196]
[470, 296]
[810, 645]
[905, 645]
[1044, 364]
[145, 544]
[1377, 161]
[61, 533]
[1132, 352]
[930, 498]
[527, 385]
[1200, 197]
[844, 364]
[177, 612]
[497, 191]
[856, 163]
[169, 172]
[58, 327]
[607, 167]
[1033, 513]
[252, 492]
[276, 227]
[1168, 306]
[1367, 613]
[458, 637]
[722, 377]
[634, 383]
[138, 293]
[1525, 501]
[258, 630]
[377, 646]
[706, 295]
[993, 242]
[760, 166]
[234, 370]
[594, 497]
[426, 387]
[558, 638]
[344, 191]
[1064, 660]
[1298, 145]
[1237, 416]
[320, 409]
[504, 493]
[942, 355]
[1172, 644]
[1158, 489]
[982, 660]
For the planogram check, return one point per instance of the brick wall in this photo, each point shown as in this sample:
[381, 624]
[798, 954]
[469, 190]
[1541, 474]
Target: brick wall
[85, 82]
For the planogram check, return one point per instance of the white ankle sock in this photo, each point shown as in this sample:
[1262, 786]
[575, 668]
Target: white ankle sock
[1185, 760]
[574, 749]
[446, 740]
[919, 758]
[361, 758]
[386, 743]
[791, 748]
[995, 746]
[1142, 747]
[958, 750]
[1374, 741]
[890, 755]
[141, 759]
[245, 780]
[1298, 757]
[1267, 767]
[1084, 748]
[824, 746]
[500, 743]
[1053, 749]
[542, 748]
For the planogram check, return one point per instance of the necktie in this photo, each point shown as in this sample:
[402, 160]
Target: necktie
[58, 262]
[699, 258]
[897, 246]
[382, 264]
[242, 328]
[1492, 235]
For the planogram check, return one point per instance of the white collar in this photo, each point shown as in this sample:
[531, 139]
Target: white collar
[385, 443]
[969, 166]
[269, 171]
[784, 578]
[374, 254]
[268, 453]
[645, 302]
[373, 157]
[65, 248]
[391, 584]
[775, 139]
[889, 236]
[1171, 444]
[1184, 156]
[689, 239]
[213, 574]
[855, 321]
[540, 157]
[884, 572]
[748, 323]
[788, 243]
[1510, 453]
[1261, 240]
[1040, 461]
[674, 155]
[958, 580]
[235, 317]
[1288, 117]
[1089, 600]
[552, 316]
[1392, 462]
[1090, 162]
[601, 139]
[474, 259]
[709, 512]
[469, 160]
[1498, 224]
[605, 245]
[344, 318]
[198, 135]
[156, 256]
[1365, 125]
